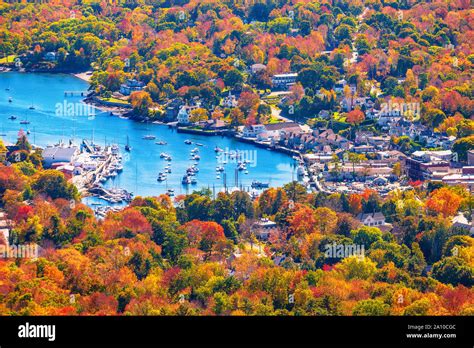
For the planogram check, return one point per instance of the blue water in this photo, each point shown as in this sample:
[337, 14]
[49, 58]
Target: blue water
[142, 164]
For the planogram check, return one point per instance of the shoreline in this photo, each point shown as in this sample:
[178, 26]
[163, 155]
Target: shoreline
[84, 76]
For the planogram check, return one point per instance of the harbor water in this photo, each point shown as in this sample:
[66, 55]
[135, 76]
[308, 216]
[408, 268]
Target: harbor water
[40, 100]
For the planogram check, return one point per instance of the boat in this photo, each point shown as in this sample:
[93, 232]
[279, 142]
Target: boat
[25, 122]
[246, 172]
[32, 107]
[170, 192]
[186, 180]
[218, 149]
[149, 137]
[168, 158]
[10, 99]
[128, 148]
[161, 177]
[188, 142]
[218, 177]
[196, 158]
[163, 155]
[259, 185]
[28, 132]
[220, 169]
[118, 168]
[199, 144]
[12, 117]
[193, 181]
[301, 171]
[161, 143]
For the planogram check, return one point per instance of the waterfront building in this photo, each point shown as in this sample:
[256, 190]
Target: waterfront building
[131, 86]
[253, 130]
[183, 115]
[58, 154]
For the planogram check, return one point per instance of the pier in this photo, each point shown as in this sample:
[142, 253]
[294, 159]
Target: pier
[76, 93]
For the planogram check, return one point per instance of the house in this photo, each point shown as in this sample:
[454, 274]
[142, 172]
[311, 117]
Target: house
[339, 86]
[284, 81]
[465, 178]
[172, 110]
[263, 227]
[325, 114]
[372, 219]
[470, 158]
[230, 101]
[57, 154]
[50, 57]
[214, 125]
[328, 137]
[183, 115]
[460, 221]
[253, 130]
[256, 68]
[131, 86]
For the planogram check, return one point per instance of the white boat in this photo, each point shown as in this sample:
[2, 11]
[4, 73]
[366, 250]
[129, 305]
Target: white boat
[149, 137]
[188, 142]
[186, 180]
[161, 177]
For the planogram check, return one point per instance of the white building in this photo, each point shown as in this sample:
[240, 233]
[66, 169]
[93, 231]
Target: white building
[57, 154]
[372, 220]
[253, 130]
[284, 81]
[183, 115]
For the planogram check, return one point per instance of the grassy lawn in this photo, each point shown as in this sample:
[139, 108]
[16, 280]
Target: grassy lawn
[9, 59]
[339, 118]
[274, 120]
[114, 100]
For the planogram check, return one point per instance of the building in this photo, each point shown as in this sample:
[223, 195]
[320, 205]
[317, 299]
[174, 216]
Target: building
[253, 130]
[460, 221]
[263, 227]
[57, 154]
[183, 115]
[230, 101]
[422, 164]
[284, 81]
[50, 57]
[470, 158]
[256, 68]
[131, 86]
[372, 219]
[465, 178]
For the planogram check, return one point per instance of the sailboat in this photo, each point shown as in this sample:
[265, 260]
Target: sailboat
[25, 121]
[128, 148]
